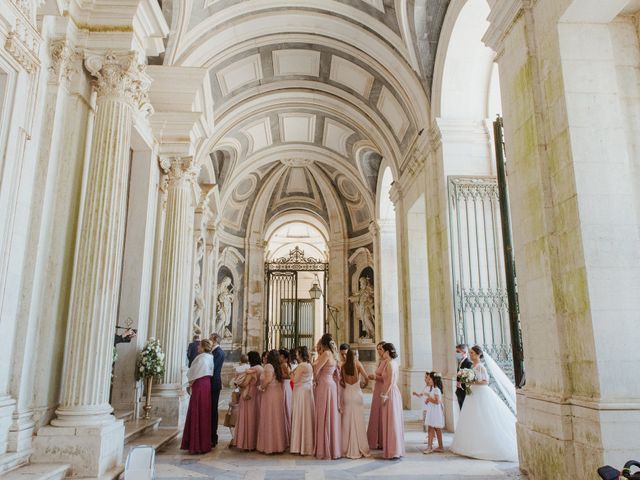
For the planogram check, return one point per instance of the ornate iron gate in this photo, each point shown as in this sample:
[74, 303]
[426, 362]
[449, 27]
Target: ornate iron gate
[480, 294]
[289, 319]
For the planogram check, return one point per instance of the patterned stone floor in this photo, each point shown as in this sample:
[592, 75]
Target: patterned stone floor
[228, 464]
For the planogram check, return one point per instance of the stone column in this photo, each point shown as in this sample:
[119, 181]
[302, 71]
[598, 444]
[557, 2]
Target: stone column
[174, 294]
[254, 328]
[374, 230]
[575, 226]
[94, 443]
[209, 279]
[64, 62]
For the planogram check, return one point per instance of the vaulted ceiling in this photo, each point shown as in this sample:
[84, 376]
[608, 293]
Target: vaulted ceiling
[341, 85]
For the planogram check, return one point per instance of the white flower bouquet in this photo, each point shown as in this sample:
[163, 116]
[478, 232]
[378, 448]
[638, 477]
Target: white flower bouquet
[150, 361]
[466, 376]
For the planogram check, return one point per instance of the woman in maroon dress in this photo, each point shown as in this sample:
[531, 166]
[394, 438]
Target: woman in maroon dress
[197, 429]
[374, 430]
[246, 431]
[328, 443]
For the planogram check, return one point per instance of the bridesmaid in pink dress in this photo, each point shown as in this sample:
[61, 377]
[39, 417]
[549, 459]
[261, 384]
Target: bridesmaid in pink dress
[392, 423]
[246, 431]
[302, 436]
[271, 426]
[354, 435]
[374, 430]
[328, 444]
[197, 428]
[287, 392]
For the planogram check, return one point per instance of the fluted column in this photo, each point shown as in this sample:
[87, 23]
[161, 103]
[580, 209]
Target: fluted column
[174, 306]
[121, 86]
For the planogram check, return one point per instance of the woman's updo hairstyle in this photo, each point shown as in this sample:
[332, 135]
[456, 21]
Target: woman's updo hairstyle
[326, 342]
[478, 351]
[206, 345]
[388, 347]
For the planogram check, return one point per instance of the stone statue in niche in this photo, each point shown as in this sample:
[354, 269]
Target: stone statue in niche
[198, 297]
[224, 306]
[364, 303]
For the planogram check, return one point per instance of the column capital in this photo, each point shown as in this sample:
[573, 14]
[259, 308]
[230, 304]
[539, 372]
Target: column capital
[120, 75]
[65, 61]
[179, 170]
[374, 228]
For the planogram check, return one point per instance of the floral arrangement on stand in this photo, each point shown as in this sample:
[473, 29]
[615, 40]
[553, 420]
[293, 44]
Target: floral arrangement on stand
[149, 364]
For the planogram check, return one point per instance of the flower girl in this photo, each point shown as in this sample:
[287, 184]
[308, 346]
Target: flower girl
[423, 394]
[434, 418]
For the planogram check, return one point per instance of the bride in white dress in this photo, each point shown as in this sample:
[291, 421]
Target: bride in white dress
[486, 427]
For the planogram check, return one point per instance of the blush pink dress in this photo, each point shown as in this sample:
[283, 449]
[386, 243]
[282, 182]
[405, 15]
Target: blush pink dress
[374, 430]
[302, 420]
[246, 432]
[287, 394]
[391, 414]
[328, 444]
[271, 425]
[354, 435]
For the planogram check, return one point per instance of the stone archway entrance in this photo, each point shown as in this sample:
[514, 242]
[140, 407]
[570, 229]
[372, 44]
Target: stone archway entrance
[290, 313]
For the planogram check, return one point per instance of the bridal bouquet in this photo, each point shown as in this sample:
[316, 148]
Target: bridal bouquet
[466, 376]
[150, 361]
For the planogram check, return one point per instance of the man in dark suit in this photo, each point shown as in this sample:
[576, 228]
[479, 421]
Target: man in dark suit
[192, 349]
[216, 385]
[462, 356]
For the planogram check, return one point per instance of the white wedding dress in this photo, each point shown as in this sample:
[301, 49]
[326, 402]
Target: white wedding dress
[486, 427]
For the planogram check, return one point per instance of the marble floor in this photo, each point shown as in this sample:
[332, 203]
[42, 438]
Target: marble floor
[229, 464]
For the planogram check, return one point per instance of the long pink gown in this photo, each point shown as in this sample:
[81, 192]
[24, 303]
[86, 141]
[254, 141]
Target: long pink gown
[197, 428]
[246, 432]
[354, 435]
[302, 420]
[328, 444]
[392, 423]
[374, 430]
[271, 427]
[288, 393]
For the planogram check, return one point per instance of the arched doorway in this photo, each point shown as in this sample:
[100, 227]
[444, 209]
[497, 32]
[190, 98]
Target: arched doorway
[295, 285]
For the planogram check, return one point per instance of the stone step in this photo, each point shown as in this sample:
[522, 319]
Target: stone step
[11, 461]
[157, 438]
[137, 428]
[124, 415]
[38, 471]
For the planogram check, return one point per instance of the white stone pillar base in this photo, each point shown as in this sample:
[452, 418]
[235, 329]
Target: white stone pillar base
[7, 404]
[169, 405]
[21, 431]
[592, 435]
[411, 380]
[92, 451]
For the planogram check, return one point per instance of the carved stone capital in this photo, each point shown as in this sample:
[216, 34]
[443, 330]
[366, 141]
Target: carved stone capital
[178, 171]
[65, 61]
[120, 76]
